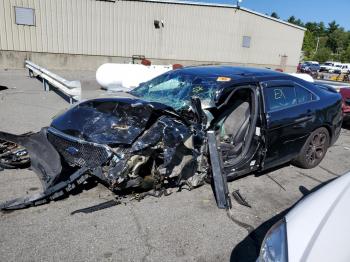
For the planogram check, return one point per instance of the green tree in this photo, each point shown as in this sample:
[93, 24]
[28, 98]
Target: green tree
[318, 29]
[345, 56]
[295, 21]
[332, 26]
[275, 15]
[309, 44]
[312, 27]
[323, 43]
[323, 54]
[337, 40]
[321, 30]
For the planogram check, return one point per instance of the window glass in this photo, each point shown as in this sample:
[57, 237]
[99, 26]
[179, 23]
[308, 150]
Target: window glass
[280, 97]
[303, 95]
[176, 88]
[246, 41]
[24, 16]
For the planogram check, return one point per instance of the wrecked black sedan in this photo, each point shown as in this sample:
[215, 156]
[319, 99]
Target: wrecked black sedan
[187, 126]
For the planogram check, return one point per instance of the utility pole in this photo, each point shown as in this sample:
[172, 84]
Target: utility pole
[318, 42]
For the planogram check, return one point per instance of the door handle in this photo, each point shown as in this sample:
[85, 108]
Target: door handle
[302, 119]
[309, 115]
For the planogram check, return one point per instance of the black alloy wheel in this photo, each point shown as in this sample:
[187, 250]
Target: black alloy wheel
[314, 149]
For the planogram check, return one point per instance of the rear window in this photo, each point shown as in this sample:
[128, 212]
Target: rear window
[303, 95]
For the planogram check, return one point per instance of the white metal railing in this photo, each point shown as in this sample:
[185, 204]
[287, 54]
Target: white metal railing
[71, 89]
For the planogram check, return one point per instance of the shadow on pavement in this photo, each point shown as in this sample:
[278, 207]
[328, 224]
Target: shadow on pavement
[52, 88]
[346, 125]
[248, 249]
[306, 191]
[3, 88]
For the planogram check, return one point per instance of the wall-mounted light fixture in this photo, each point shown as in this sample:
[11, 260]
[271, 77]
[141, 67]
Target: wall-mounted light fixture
[158, 24]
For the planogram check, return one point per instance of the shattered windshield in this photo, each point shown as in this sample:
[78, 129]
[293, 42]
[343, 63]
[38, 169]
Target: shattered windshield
[176, 88]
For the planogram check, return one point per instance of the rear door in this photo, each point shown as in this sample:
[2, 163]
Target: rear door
[289, 119]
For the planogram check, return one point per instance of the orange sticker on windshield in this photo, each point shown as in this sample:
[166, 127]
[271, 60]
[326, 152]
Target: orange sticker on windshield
[223, 79]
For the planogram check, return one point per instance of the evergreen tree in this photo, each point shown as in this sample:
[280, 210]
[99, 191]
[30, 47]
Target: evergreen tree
[323, 43]
[275, 15]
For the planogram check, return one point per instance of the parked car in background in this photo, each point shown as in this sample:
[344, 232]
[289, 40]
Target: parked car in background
[312, 62]
[345, 93]
[330, 66]
[316, 229]
[336, 69]
[309, 67]
[182, 128]
[345, 69]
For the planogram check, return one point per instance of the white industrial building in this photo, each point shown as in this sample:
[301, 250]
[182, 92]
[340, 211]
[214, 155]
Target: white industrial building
[82, 34]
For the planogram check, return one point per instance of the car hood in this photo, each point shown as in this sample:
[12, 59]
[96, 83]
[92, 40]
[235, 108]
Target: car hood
[318, 226]
[110, 121]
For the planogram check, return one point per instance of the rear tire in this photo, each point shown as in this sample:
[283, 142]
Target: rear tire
[314, 149]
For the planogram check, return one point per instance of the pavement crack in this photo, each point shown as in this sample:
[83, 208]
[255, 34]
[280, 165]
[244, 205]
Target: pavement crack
[274, 180]
[328, 171]
[143, 233]
[247, 227]
[312, 178]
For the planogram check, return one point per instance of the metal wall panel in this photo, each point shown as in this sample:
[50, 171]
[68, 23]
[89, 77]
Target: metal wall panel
[126, 28]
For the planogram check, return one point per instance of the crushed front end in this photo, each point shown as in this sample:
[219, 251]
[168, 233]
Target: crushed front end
[127, 144]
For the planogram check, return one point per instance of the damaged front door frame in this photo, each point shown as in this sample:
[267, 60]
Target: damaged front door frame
[220, 187]
[219, 179]
[240, 164]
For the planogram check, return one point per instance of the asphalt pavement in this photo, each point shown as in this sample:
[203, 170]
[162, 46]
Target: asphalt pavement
[185, 226]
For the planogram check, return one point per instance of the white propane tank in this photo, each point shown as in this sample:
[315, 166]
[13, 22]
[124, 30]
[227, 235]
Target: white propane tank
[116, 77]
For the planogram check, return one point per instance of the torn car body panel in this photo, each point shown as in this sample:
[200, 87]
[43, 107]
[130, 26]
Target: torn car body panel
[106, 121]
[45, 160]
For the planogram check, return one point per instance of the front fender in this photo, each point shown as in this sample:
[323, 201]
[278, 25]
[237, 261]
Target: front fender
[45, 160]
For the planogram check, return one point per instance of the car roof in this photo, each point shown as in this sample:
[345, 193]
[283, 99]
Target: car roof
[235, 72]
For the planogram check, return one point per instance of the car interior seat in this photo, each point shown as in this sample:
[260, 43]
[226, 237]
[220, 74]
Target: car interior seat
[235, 128]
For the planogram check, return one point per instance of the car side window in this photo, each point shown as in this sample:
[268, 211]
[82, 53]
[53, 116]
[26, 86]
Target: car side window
[303, 95]
[280, 97]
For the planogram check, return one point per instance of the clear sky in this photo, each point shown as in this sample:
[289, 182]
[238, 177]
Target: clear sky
[306, 10]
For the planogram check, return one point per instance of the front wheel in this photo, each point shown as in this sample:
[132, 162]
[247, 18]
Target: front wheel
[314, 149]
